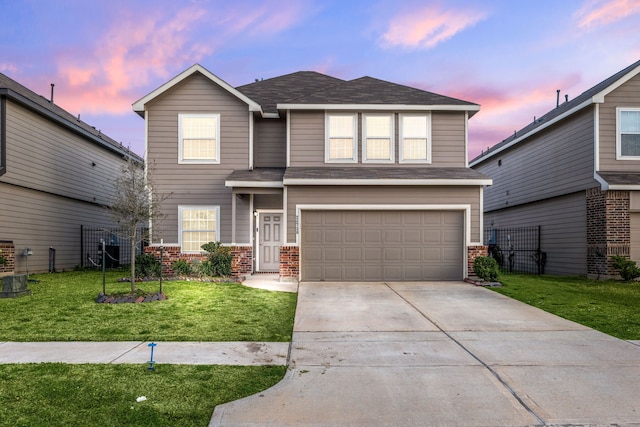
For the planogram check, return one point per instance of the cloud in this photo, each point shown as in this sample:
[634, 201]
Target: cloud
[596, 13]
[146, 48]
[7, 67]
[427, 27]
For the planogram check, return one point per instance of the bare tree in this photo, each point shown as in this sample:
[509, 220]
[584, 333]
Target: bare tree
[136, 204]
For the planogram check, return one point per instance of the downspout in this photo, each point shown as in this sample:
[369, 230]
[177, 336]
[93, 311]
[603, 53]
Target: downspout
[3, 134]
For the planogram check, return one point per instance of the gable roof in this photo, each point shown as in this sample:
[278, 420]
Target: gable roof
[26, 97]
[594, 95]
[313, 90]
[139, 105]
[374, 93]
[268, 93]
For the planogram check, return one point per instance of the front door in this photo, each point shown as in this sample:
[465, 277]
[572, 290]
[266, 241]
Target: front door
[269, 240]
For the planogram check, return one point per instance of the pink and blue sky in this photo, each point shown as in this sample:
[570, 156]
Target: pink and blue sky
[509, 56]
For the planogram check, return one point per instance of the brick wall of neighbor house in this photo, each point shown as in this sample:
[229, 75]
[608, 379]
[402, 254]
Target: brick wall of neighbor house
[289, 262]
[9, 252]
[241, 264]
[472, 253]
[608, 230]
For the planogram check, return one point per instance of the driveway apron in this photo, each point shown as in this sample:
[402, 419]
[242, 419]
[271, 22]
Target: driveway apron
[447, 353]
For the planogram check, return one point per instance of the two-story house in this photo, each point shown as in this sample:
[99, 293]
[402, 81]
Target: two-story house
[315, 177]
[575, 172]
[56, 175]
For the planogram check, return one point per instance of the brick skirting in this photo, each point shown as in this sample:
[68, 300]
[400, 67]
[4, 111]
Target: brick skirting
[241, 264]
[9, 252]
[472, 253]
[289, 262]
[608, 230]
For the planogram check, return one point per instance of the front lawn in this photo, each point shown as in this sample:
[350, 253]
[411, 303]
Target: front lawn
[63, 308]
[54, 394]
[610, 306]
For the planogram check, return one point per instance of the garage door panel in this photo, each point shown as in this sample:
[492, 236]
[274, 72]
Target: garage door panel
[353, 255]
[382, 245]
[392, 236]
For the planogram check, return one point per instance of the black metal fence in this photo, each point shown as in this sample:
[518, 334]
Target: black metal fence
[117, 247]
[517, 249]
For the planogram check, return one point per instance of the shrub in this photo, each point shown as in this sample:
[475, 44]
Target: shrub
[3, 259]
[181, 267]
[628, 268]
[218, 262]
[486, 268]
[147, 265]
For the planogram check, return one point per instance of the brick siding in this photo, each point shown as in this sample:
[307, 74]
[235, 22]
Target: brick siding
[241, 264]
[608, 230]
[289, 262]
[472, 253]
[9, 252]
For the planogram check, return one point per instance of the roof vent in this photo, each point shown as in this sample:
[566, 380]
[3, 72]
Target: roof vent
[51, 99]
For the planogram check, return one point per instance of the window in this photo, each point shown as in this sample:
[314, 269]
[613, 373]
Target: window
[199, 138]
[628, 135]
[377, 136]
[340, 143]
[197, 225]
[415, 135]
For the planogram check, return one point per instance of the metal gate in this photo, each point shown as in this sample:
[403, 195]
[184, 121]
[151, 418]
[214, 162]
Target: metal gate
[516, 249]
[117, 248]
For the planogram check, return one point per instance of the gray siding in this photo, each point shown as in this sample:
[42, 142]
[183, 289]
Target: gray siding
[193, 184]
[270, 143]
[551, 163]
[40, 220]
[44, 156]
[563, 222]
[51, 188]
[383, 195]
[267, 201]
[308, 141]
[627, 95]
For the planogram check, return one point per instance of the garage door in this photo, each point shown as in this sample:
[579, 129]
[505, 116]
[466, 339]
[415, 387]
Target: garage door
[381, 245]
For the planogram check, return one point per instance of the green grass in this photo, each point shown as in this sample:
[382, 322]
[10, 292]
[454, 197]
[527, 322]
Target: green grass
[611, 307]
[105, 395]
[63, 308]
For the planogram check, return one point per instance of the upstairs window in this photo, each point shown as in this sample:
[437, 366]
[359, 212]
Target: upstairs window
[340, 139]
[377, 136]
[199, 140]
[415, 138]
[197, 225]
[628, 135]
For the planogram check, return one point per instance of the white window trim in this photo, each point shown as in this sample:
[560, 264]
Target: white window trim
[327, 158]
[401, 139]
[181, 160]
[182, 208]
[619, 155]
[392, 144]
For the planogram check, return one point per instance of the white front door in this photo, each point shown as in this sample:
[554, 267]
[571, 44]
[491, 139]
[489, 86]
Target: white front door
[269, 240]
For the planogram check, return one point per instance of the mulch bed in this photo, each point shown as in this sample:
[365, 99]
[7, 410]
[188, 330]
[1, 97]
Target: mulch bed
[130, 298]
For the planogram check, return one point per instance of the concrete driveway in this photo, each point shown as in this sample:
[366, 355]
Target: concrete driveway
[441, 354]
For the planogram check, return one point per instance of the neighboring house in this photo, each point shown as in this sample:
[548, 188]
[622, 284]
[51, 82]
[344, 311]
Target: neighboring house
[56, 174]
[574, 171]
[315, 177]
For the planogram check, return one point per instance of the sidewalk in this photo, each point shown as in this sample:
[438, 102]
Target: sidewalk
[188, 353]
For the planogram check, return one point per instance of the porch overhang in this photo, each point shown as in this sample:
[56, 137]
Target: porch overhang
[620, 180]
[258, 178]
